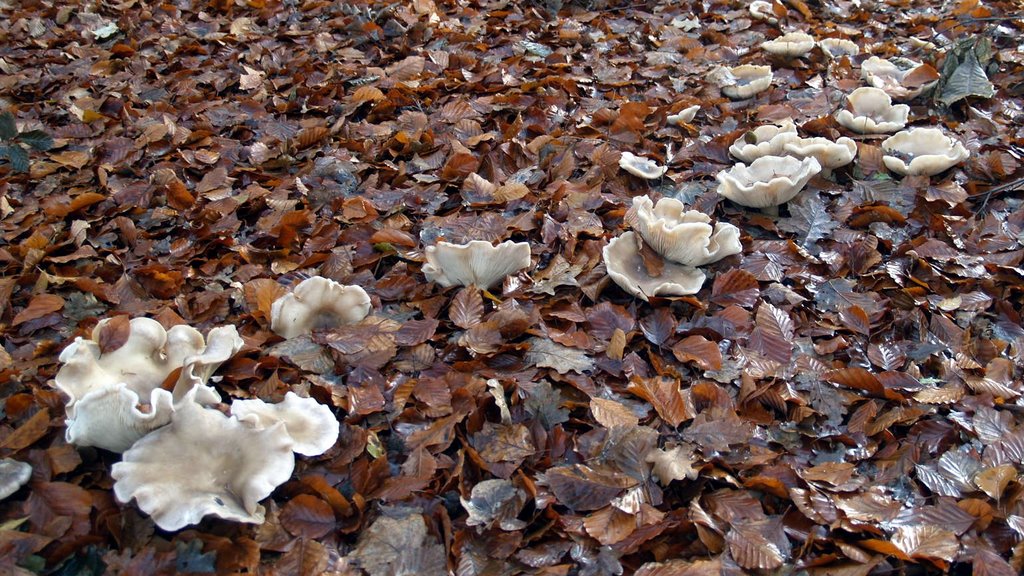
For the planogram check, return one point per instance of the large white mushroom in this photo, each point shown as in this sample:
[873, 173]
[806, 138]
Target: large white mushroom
[769, 181]
[922, 151]
[318, 303]
[766, 140]
[311, 425]
[829, 154]
[889, 75]
[872, 112]
[743, 81]
[641, 167]
[476, 263]
[790, 45]
[684, 236]
[626, 268]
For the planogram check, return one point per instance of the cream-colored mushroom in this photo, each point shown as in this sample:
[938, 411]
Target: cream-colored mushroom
[766, 140]
[743, 81]
[762, 10]
[790, 45]
[838, 47]
[768, 181]
[318, 303]
[888, 75]
[311, 425]
[830, 155]
[476, 263]
[13, 475]
[204, 463]
[872, 112]
[626, 268]
[641, 167]
[922, 151]
[685, 116]
[684, 236]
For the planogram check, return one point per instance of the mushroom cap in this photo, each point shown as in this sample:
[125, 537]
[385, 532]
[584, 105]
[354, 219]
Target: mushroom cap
[641, 166]
[838, 47]
[318, 303]
[766, 140]
[626, 268]
[791, 44]
[311, 425]
[768, 181]
[929, 151]
[204, 463]
[762, 10]
[889, 75]
[684, 236]
[872, 112]
[477, 262]
[829, 154]
[685, 116]
[13, 475]
[110, 417]
[745, 81]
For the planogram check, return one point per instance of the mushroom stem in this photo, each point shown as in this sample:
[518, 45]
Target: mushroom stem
[772, 211]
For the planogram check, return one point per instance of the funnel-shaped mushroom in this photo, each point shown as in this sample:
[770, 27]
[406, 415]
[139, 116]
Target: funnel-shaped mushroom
[838, 47]
[789, 45]
[684, 236]
[318, 303]
[477, 262]
[922, 151]
[768, 181]
[204, 463]
[311, 425]
[641, 167]
[872, 112]
[889, 76]
[626, 268]
[767, 140]
[829, 154]
[744, 81]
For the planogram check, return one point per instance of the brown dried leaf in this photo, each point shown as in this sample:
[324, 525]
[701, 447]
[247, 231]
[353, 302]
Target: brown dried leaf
[467, 308]
[735, 287]
[700, 350]
[114, 333]
[664, 394]
[927, 542]
[39, 306]
[582, 488]
[308, 517]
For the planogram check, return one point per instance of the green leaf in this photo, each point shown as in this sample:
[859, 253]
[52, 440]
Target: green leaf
[967, 79]
[16, 155]
[37, 139]
[8, 129]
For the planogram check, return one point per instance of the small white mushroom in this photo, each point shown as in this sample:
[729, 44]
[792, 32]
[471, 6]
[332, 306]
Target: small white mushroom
[641, 167]
[311, 425]
[318, 303]
[838, 47]
[685, 116]
[766, 140]
[204, 463]
[922, 151]
[830, 155]
[768, 181]
[13, 475]
[476, 263]
[762, 10]
[626, 268]
[684, 236]
[889, 75]
[743, 81]
[872, 112]
[790, 45]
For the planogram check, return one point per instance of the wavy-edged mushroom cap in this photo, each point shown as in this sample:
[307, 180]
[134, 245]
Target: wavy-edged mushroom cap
[204, 463]
[766, 140]
[685, 116]
[872, 112]
[112, 417]
[318, 303]
[744, 81]
[838, 47]
[684, 236]
[311, 425]
[888, 75]
[641, 167]
[789, 45]
[626, 268]
[829, 154]
[477, 262]
[768, 181]
[13, 475]
[922, 151]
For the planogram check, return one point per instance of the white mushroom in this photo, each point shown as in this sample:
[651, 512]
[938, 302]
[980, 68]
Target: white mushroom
[762, 10]
[626, 268]
[829, 154]
[204, 463]
[13, 475]
[889, 76]
[743, 81]
[684, 236]
[311, 425]
[477, 262]
[318, 303]
[768, 181]
[641, 167]
[685, 116]
[766, 140]
[872, 112]
[838, 47]
[790, 45]
[922, 151]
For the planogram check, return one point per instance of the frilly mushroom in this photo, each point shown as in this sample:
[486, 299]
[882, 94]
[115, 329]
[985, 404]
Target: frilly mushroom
[318, 303]
[685, 116]
[641, 167]
[204, 463]
[477, 262]
[922, 151]
[768, 181]
[626, 268]
[762, 10]
[829, 154]
[311, 425]
[684, 236]
[743, 81]
[13, 475]
[766, 140]
[115, 397]
[838, 47]
[872, 112]
[889, 75]
[790, 45]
